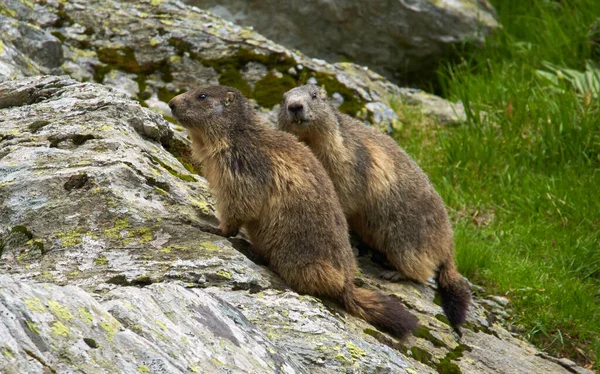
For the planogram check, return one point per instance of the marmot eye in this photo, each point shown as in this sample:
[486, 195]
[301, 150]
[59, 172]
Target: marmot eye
[202, 96]
[314, 95]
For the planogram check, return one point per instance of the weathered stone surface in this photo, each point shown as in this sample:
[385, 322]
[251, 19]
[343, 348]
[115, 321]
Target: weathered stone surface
[155, 49]
[163, 328]
[96, 199]
[403, 40]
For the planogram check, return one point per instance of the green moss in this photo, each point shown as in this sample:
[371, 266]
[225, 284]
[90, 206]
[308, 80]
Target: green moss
[166, 95]
[35, 126]
[269, 90]
[36, 243]
[182, 153]
[23, 230]
[120, 280]
[442, 318]
[183, 177]
[424, 333]
[437, 299]
[90, 342]
[352, 102]
[233, 78]
[445, 366]
[143, 280]
[421, 355]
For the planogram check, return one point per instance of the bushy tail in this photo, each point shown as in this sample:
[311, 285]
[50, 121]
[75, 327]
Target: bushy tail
[380, 310]
[455, 293]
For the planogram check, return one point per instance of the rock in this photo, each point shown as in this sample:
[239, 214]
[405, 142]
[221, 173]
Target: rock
[100, 203]
[403, 40]
[160, 328]
[154, 50]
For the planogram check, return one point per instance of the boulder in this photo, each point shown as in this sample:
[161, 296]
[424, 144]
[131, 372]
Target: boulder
[156, 49]
[110, 263]
[403, 40]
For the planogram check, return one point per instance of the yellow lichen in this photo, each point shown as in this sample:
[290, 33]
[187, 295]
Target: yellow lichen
[70, 238]
[161, 324]
[224, 274]
[143, 369]
[6, 352]
[35, 305]
[32, 326]
[60, 311]
[86, 316]
[209, 246]
[355, 352]
[115, 232]
[110, 328]
[59, 329]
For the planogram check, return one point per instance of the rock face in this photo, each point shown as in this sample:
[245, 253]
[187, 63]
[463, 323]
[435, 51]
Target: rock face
[403, 39]
[97, 204]
[154, 50]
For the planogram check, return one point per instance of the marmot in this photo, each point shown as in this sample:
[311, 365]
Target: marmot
[387, 199]
[268, 182]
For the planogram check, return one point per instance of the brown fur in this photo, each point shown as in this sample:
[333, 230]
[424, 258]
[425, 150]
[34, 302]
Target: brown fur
[268, 182]
[386, 197]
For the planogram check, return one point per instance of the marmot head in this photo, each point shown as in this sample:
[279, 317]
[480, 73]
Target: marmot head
[306, 112]
[213, 111]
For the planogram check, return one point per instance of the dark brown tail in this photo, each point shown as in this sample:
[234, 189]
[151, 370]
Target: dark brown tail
[381, 310]
[455, 293]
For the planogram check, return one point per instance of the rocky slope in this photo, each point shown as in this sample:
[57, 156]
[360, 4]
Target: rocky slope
[153, 50]
[403, 40]
[92, 202]
[108, 259]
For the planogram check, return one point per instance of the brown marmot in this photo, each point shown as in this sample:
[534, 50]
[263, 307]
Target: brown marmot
[265, 180]
[387, 199]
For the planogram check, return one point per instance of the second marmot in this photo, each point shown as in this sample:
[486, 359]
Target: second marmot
[388, 200]
[266, 181]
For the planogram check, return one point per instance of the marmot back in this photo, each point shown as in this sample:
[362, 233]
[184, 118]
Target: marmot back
[387, 199]
[265, 180]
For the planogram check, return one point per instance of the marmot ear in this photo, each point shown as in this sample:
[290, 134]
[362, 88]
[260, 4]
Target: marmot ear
[229, 98]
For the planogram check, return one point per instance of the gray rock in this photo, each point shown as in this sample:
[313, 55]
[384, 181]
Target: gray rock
[165, 47]
[38, 45]
[96, 198]
[400, 39]
[163, 328]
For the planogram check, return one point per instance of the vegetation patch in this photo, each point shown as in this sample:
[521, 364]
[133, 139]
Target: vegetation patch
[529, 152]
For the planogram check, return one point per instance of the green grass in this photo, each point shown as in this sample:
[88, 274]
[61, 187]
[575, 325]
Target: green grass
[522, 177]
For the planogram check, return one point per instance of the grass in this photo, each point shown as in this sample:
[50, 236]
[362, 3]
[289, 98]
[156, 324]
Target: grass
[521, 177]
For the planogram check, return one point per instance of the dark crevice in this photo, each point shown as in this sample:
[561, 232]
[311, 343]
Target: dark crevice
[38, 359]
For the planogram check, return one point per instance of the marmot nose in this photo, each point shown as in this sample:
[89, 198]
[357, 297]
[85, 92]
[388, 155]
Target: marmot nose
[172, 104]
[295, 107]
